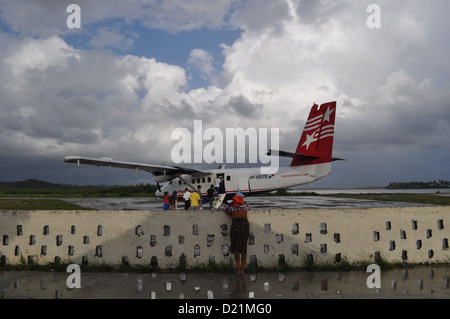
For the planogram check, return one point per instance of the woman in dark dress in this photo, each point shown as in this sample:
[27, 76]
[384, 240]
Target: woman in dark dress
[239, 231]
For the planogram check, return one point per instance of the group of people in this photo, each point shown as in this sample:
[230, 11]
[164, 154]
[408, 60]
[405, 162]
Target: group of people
[193, 200]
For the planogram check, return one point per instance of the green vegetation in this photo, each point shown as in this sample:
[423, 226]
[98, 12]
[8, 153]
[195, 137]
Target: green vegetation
[392, 197]
[308, 263]
[222, 267]
[419, 185]
[409, 198]
[39, 189]
[38, 204]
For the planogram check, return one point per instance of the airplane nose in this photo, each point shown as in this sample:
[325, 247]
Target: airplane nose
[159, 193]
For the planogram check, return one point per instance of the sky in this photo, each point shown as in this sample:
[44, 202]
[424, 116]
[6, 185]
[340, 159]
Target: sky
[134, 71]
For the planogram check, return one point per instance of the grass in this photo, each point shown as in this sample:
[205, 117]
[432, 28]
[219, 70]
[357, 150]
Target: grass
[40, 189]
[38, 204]
[393, 197]
[309, 264]
[409, 198]
[75, 194]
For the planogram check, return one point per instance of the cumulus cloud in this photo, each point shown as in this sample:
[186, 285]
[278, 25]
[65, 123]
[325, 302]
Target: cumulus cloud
[391, 84]
[262, 15]
[70, 97]
[203, 62]
[400, 113]
[47, 17]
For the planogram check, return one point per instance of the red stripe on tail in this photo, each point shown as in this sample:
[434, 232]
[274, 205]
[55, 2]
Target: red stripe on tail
[318, 135]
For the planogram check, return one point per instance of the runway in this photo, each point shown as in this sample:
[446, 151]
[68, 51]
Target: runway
[267, 202]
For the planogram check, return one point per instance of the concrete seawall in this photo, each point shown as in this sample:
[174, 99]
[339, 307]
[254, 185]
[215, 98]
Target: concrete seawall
[411, 234]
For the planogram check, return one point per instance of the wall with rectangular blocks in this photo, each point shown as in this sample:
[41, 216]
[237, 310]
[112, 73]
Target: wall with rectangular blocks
[410, 234]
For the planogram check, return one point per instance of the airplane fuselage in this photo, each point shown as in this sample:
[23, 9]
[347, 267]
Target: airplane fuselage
[249, 180]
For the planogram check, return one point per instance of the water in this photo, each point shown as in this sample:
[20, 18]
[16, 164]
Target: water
[419, 282]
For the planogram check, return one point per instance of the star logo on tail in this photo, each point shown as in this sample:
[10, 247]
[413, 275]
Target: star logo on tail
[309, 139]
[327, 114]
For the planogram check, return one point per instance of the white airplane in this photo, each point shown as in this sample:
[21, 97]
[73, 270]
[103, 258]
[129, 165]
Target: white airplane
[311, 161]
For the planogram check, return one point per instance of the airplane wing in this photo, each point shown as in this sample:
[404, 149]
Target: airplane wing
[151, 168]
[289, 154]
[297, 155]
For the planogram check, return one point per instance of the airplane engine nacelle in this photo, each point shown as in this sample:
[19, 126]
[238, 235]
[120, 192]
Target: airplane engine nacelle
[161, 177]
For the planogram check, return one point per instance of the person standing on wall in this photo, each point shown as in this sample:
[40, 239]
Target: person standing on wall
[239, 231]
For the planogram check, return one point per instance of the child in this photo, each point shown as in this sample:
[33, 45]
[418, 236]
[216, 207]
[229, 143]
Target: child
[166, 201]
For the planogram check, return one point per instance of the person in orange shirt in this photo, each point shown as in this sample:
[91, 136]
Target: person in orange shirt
[239, 231]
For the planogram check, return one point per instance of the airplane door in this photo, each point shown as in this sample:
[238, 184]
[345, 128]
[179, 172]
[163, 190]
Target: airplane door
[243, 184]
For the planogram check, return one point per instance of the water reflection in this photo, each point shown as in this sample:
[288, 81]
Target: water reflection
[418, 282]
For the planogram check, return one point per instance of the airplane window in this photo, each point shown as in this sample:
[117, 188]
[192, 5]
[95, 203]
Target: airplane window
[228, 178]
[198, 180]
[179, 182]
[193, 181]
[209, 179]
[203, 180]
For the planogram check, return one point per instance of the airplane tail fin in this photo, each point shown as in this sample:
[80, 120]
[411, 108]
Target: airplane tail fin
[316, 143]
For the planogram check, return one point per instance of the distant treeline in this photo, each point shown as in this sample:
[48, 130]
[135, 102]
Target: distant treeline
[412, 185]
[36, 187]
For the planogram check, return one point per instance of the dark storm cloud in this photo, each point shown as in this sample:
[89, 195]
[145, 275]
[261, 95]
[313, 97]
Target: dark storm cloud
[242, 106]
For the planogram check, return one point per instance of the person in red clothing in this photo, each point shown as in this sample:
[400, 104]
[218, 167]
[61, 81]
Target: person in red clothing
[239, 231]
[166, 201]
